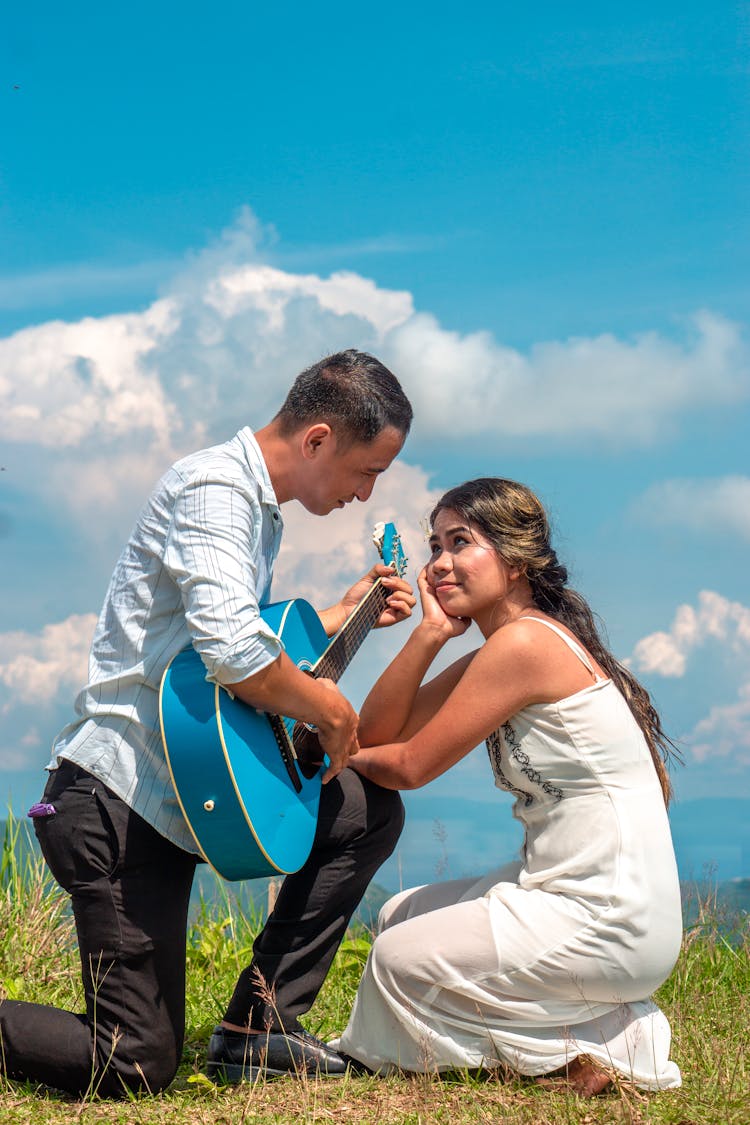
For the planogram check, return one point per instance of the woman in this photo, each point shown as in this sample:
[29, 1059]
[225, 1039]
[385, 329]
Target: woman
[544, 966]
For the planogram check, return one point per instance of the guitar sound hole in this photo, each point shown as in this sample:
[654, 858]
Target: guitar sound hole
[308, 750]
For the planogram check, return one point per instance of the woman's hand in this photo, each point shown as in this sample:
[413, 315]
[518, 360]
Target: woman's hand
[433, 614]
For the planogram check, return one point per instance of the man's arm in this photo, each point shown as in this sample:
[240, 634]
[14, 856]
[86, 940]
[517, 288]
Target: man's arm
[211, 556]
[281, 688]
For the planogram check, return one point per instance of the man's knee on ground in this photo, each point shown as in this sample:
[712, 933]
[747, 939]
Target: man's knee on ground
[121, 1073]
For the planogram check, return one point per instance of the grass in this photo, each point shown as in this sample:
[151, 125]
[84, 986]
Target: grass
[707, 1000]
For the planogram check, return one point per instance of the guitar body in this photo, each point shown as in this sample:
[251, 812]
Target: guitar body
[249, 783]
[236, 793]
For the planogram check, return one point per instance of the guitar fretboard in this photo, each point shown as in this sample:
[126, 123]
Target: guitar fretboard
[337, 656]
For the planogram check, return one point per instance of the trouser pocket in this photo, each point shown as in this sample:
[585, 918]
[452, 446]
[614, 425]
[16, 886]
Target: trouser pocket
[80, 842]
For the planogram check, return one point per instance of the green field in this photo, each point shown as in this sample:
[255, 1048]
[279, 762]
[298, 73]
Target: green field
[706, 999]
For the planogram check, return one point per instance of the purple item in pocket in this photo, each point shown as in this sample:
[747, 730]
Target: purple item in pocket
[41, 809]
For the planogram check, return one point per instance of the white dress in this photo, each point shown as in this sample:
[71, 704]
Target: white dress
[554, 957]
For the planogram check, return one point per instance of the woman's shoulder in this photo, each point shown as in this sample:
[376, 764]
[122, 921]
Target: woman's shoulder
[523, 634]
[546, 652]
[518, 645]
[552, 635]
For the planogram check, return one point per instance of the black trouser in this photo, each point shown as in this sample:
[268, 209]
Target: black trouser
[130, 890]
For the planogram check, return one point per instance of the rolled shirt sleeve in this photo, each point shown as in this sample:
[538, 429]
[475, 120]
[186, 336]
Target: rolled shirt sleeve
[214, 554]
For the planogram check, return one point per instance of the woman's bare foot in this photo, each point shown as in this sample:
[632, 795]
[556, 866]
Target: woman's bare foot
[582, 1076]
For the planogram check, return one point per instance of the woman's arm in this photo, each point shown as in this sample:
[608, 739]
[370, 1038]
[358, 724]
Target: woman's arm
[397, 704]
[499, 680]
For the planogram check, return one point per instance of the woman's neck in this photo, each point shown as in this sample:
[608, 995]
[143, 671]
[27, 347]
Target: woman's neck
[517, 601]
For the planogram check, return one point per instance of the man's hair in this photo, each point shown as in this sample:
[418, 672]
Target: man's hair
[353, 392]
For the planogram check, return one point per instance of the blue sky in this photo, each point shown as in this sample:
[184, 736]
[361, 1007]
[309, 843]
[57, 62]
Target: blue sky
[536, 215]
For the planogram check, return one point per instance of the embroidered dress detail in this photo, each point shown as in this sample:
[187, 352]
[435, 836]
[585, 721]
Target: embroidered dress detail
[523, 761]
[494, 744]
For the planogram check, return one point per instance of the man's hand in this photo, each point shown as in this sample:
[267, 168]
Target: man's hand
[398, 607]
[282, 689]
[337, 732]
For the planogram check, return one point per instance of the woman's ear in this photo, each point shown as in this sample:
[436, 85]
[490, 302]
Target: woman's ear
[515, 572]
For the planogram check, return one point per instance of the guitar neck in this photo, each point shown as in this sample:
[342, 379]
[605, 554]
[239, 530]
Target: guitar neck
[336, 658]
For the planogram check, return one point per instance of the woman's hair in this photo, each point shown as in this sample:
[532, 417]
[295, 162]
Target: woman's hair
[514, 521]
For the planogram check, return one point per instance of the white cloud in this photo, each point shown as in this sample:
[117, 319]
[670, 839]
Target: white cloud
[66, 384]
[720, 504]
[715, 617]
[38, 666]
[92, 399]
[97, 410]
[598, 387]
[40, 674]
[725, 731]
[271, 290]
[92, 412]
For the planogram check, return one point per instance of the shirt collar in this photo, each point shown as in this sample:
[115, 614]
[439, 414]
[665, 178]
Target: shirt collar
[257, 466]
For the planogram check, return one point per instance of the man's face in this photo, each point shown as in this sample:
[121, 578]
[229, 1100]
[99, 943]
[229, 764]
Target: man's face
[334, 477]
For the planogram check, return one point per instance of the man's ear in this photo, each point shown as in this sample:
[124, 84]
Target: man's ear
[314, 439]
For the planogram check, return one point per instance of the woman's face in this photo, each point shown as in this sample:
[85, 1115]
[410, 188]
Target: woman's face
[468, 576]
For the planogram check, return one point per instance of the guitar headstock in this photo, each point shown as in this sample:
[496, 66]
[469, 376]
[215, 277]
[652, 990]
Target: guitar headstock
[388, 542]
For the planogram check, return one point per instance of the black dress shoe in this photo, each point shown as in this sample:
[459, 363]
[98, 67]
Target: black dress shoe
[355, 1066]
[235, 1057]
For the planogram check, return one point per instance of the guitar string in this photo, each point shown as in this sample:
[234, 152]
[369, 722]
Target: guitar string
[336, 659]
[355, 633]
[358, 624]
[354, 630]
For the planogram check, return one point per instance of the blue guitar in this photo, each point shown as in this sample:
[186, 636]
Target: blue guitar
[248, 783]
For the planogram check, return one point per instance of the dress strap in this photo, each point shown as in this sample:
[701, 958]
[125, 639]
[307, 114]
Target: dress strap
[572, 645]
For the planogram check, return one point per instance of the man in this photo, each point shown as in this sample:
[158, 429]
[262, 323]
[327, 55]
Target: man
[195, 570]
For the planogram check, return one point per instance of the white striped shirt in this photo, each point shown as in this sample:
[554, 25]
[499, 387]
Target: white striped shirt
[196, 567]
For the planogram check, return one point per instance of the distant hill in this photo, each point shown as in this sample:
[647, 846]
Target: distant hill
[711, 835]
